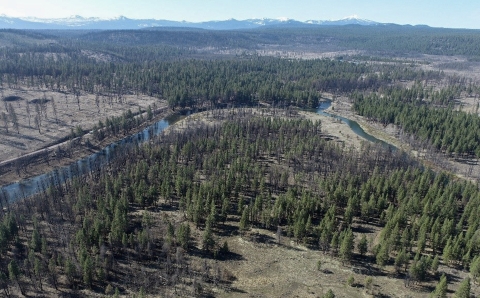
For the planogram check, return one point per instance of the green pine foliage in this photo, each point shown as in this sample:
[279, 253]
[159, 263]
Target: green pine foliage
[209, 171]
[426, 114]
[463, 290]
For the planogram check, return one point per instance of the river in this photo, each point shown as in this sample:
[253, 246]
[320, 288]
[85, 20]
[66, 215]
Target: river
[354, 126]
[33, 185]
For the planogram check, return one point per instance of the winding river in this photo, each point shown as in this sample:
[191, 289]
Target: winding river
[354, 126]
[36, 184]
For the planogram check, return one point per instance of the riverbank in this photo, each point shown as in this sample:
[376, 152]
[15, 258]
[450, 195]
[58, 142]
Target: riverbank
[333, 128]
[391, 134]
[18, 171]
[343, 108]
[60, 155]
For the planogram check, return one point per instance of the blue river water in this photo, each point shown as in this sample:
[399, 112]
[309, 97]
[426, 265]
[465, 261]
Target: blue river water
[36, 184]
[354, 126]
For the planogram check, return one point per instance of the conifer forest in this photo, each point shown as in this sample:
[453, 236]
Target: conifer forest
[258, 183]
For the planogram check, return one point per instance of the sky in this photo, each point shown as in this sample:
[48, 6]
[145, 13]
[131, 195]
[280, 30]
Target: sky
[436, 13]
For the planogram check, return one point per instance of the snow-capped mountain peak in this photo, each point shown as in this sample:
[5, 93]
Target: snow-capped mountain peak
[350, 20]
[122, 22]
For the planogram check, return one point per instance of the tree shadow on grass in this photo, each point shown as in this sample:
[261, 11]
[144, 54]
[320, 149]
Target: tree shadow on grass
[362, 229]
[237, 290]
[225, 230]
[229, 256]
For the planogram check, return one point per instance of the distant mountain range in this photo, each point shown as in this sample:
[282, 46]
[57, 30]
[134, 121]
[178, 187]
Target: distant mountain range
[78, 22]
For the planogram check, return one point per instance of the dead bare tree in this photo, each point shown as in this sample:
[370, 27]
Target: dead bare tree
[27, 108]
[14, 118]
[97, 102]
[38, 122]
[38, 117]
[54, 106]
[5, 121]
[77, 96]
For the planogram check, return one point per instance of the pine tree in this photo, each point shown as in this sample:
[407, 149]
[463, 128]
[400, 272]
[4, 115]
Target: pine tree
[401, 260]
[208, 241]
[52, 271]
[244, 220]
[441, 288]
[70, 271]
[334, 242]
[329, 294]
[183, 235]
[447, 252]
[346, 248]
[14, 274]
[363, 245]
[475, 268]
[435, 264]
[88, 271]
[463, 290]
[36, 241]
[383, 255]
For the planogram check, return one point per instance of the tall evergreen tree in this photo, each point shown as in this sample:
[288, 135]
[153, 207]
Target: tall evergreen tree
[463, 290]
[346, 248]
[441, 288]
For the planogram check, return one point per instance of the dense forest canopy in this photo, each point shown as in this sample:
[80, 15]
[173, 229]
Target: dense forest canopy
[389, 39]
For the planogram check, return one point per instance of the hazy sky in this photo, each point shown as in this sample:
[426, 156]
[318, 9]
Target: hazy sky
[438, 13]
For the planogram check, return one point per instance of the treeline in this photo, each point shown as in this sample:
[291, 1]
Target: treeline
[166, 72]
[429, 115]
[282, 175]
[392, 39]
[386, 39]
